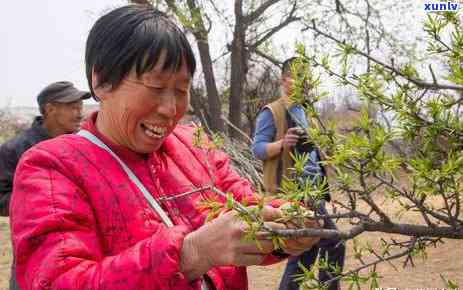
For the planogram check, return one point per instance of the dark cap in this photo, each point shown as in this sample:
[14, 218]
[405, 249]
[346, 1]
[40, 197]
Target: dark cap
[61, 92]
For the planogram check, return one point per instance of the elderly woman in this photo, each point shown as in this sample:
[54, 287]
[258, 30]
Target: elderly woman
[104, 209]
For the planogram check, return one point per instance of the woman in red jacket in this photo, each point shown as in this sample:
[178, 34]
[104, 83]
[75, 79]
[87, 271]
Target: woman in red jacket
[104, 209]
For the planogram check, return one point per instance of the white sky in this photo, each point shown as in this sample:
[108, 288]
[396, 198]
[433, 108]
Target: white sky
[43, 42]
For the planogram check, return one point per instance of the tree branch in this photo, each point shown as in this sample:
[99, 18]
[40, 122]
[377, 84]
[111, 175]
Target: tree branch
[373, 226]
[237, 129]
[268, 57]
[322, 233]
[259, 10]
[291, 18]
[368, 200]
[376, 262]
[180, 195]
[420, 83]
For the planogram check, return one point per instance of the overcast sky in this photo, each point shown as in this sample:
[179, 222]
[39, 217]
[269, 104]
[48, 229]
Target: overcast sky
[42, 42]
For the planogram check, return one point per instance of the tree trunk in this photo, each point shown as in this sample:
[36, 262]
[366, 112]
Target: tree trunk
[215, 106]
[200, 108]
[201, 35]
[215, 122]
[237, 71]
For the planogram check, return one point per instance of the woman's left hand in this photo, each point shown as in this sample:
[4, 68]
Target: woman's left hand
[295, 246]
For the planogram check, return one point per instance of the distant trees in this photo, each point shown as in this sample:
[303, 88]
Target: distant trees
[9, 125]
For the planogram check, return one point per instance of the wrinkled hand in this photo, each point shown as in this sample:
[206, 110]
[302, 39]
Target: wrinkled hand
[290, 139]
[297, 246]
[220, 243]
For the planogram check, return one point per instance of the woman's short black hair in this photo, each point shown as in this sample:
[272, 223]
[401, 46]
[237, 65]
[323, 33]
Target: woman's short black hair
[134, 37]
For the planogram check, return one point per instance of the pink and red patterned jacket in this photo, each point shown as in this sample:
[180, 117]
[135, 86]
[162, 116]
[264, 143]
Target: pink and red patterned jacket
[78, 222]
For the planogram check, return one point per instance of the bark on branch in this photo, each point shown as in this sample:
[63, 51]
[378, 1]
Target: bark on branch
[372, 226]
[259, 11]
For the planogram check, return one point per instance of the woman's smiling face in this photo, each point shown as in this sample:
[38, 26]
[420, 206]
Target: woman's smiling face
[141, 112]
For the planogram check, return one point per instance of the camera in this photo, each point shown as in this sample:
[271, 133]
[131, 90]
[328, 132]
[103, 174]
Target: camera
[303, 144]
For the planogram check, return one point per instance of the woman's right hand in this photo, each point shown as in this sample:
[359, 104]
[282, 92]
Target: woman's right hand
[220, 243]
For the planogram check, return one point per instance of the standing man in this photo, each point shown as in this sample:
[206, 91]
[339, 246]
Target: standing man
[60, 106]
[278, 130]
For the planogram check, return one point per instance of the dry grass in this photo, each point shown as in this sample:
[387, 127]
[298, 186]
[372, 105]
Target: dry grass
[444, 260]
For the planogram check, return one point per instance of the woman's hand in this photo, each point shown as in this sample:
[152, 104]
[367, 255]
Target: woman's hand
[297, 246]
[220, 243]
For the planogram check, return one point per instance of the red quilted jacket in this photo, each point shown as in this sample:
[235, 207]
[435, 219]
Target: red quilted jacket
[79, 223]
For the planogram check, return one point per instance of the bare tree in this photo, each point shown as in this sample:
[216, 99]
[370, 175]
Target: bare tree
[192, 19]
[193, 16]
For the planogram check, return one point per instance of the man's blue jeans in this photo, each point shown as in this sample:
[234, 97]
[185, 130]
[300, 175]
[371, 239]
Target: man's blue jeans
[333, 248]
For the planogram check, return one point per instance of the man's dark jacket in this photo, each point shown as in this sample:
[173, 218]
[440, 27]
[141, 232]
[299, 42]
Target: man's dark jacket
[10, 153]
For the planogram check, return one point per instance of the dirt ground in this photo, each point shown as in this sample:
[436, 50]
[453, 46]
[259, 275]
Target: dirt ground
[446, 260]
[5, 253]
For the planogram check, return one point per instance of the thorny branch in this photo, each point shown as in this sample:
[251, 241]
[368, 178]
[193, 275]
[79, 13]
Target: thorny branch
[407, 252]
